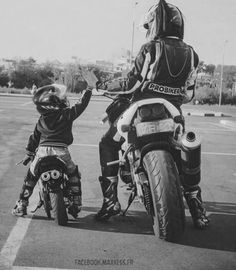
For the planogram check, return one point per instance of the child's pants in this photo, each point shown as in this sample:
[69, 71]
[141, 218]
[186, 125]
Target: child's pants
[72, 170]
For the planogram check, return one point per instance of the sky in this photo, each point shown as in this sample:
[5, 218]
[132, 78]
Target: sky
[100, 29]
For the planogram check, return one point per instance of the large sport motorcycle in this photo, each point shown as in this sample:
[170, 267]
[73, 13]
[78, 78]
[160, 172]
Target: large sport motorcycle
[152, 131]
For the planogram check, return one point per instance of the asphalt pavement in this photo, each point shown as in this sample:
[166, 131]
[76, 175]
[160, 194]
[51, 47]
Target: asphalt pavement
[34, 242]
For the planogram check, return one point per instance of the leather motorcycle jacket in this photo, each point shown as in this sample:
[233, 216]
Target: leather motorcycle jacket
[164, 68]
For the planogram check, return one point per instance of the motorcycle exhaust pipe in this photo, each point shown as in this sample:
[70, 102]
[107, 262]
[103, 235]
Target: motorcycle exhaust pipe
[191, 159]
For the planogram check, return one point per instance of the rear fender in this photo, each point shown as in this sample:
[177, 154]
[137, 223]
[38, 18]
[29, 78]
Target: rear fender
[128, 115]
[49, 163]
[150, 147]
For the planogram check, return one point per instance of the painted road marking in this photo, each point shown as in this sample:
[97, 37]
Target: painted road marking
[204, 153]
[13, 243]
[228, 124]
[85, 145]
[231, 128]
[218, 154]
[27, 103]
[16, 236]
[210, 129]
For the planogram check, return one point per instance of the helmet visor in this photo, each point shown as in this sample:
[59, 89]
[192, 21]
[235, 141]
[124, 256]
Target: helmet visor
[44, 93]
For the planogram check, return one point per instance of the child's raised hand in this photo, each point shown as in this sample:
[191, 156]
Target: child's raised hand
[89, 77]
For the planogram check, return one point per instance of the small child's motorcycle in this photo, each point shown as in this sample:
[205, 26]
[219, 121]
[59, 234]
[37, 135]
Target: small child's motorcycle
[53, 188]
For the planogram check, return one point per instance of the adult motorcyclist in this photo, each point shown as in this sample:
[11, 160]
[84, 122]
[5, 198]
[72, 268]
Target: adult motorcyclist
[165, 67]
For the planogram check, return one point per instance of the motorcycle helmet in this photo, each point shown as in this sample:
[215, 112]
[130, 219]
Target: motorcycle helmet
[163, 19]
[50, 98]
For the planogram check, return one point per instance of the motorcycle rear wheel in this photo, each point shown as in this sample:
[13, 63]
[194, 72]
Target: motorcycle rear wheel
[169, 213]
[58, 207]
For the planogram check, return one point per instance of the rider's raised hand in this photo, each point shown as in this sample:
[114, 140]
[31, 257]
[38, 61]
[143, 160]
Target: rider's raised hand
[89, 77]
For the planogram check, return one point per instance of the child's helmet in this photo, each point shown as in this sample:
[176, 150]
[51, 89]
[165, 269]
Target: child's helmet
[50, 98]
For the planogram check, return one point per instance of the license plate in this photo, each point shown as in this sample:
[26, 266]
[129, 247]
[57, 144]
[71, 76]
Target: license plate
[147, 128]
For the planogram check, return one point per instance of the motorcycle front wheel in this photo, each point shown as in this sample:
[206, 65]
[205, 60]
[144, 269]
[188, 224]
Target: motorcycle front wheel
[58, 207]
[169, 214]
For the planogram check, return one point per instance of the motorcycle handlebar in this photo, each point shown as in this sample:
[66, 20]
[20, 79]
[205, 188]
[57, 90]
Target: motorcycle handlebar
[26, 161]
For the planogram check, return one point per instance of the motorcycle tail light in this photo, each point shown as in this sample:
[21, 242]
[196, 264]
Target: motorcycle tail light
[145, 112]
[55, 174]
[45, 176]
[158, 111]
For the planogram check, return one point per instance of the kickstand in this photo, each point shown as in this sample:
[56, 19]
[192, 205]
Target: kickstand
[40, 203]
[131, 199]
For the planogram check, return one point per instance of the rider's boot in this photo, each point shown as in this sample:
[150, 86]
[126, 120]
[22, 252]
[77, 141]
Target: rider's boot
[190, 170]
[197, 211]
[20, 209]
[76, 206]
[111, 205]
[75, 193]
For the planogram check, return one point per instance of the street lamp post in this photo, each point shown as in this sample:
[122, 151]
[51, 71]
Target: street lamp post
[221, 74]
[133, 29]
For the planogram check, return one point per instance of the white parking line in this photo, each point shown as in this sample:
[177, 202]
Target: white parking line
[218, 154]
[230, 128]
[210, 130]
[13, 243]
[27, 103]
[16, 236]
[85, 145]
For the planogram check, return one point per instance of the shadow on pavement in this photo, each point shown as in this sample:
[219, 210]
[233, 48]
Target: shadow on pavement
[136, 222]
[221, 233]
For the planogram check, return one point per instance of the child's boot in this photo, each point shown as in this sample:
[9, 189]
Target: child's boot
[20, 208]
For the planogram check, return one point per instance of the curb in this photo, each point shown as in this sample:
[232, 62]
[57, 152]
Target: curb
[208, 114]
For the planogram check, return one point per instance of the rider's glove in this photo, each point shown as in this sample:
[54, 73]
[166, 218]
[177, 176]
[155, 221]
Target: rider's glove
[178, 131]
[28, 157]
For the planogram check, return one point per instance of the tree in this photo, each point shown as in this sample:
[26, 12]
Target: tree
[4, 78]
[43, 76]
[210, 69]
[27, 73]
[201, 67]
[24, 73]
